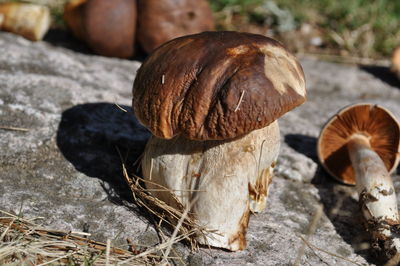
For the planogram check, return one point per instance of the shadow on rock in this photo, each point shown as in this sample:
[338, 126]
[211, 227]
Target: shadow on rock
[303, 144]
[338, 200]
[90, 135]
[64, 38]
[384, 74]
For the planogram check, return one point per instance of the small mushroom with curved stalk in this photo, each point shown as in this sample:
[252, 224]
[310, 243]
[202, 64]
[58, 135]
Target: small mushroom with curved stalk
[211, 101]
[161, 21]
[28, 20]
[108, 27]
[360, 145]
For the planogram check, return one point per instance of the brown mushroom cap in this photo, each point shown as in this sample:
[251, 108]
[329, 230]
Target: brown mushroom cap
[216, 85]
[108, 27]
[161, 21]
[373, 121]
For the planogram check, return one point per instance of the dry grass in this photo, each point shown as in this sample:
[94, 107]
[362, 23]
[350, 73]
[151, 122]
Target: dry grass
[23, 242]
[180, 220]
[11, 128]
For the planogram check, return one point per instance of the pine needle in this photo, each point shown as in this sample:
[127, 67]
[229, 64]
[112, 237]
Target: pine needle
[14, 128]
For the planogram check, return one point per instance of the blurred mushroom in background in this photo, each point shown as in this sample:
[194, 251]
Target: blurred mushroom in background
[107, 27]
[395, 67]
[360, 146]
[211, 101]
[161, 21]
[72, 16]
[28, 20]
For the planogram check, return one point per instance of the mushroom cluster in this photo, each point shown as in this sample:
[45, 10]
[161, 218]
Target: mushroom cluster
[111, 28]
[211, 101]
[360, 146]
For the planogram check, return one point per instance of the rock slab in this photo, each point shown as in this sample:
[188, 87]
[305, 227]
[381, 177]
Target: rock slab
[67, 167]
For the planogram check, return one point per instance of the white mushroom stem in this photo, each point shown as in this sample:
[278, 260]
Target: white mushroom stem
[376, 193]
[229, 179]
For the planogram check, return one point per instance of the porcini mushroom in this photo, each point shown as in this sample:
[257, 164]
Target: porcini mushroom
[360, 145]
[211, 101]
[28, 20]
[108, 27]
[161, 21]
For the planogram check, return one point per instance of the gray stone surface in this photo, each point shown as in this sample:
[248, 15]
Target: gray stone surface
[66, 168]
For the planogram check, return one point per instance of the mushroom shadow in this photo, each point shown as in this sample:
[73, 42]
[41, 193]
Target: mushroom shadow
[64, 38]
[383, 73]
[303, 144]
[93, 135]
[338, 200]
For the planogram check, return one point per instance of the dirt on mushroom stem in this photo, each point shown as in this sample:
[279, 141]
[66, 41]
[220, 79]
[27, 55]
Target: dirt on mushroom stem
[221, 102]
[223, 175]
[377, 198]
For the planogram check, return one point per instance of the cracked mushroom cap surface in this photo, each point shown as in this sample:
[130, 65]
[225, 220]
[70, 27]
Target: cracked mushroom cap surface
[216, 85]
[378, 124]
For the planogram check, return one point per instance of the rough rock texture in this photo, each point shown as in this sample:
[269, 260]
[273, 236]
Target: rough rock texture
[66, 168]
